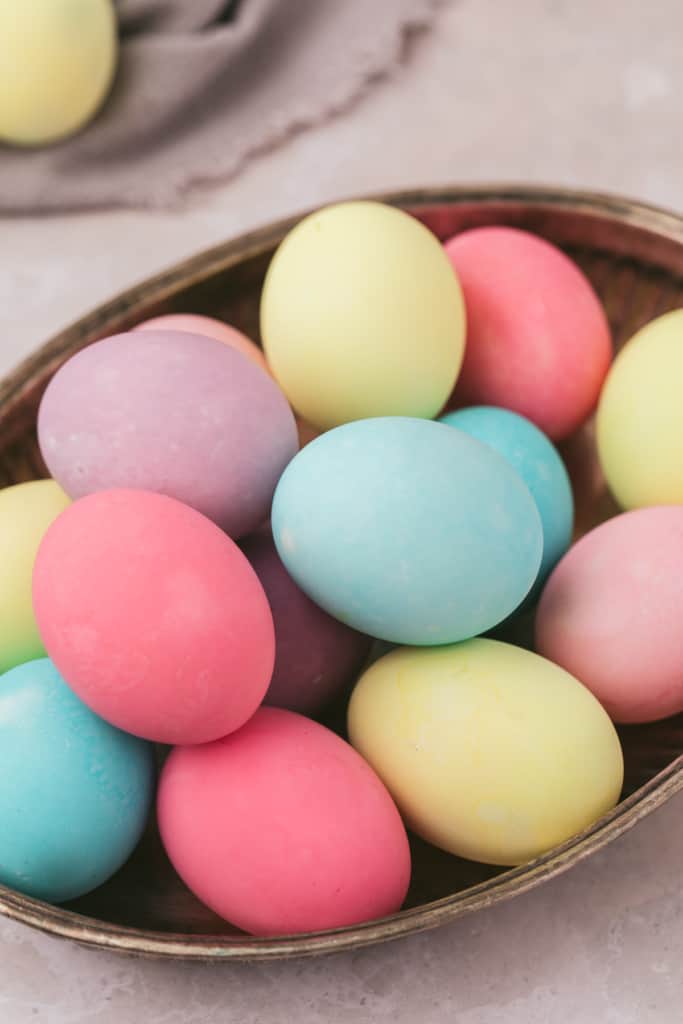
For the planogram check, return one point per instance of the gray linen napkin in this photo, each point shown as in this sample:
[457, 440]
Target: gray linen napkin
[202, 85]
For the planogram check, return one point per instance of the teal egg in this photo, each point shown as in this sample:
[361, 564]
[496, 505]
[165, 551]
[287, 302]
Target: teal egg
[540, 466]
[75, 792]
[407, 530]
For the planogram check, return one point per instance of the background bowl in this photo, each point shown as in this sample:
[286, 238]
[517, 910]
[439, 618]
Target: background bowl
[633, 254]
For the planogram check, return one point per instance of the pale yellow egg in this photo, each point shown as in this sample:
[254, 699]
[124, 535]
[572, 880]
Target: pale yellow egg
[57, 62]
[640, 417]
[26, 511]
[362, 315]
[490, 751]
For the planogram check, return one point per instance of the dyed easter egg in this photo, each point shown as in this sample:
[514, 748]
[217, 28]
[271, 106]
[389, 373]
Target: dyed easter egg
[407, 530]
[640, 417]
[490, 751]
[316, 656]
[153, 616]
[26, 511]
[176, 413]
[362, 315]
[538, 463]
[57, 62]
[538, 341]
[195, 323]
[75, 793]
[611, 614]
[282, 828]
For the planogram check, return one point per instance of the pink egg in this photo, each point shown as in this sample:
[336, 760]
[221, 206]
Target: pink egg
[316, 656]
[282, 828]
[538, 341]
[153, 616]
[180, 414]
[612, 614]
[195, 323]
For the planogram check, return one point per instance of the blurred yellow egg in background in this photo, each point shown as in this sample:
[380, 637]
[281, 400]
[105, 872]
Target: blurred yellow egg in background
[57, 63]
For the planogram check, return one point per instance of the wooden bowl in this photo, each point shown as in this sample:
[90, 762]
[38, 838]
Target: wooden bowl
[633, 254]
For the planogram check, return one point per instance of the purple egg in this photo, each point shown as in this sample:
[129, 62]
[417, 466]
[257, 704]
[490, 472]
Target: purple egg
[316, 656]
[176, 413]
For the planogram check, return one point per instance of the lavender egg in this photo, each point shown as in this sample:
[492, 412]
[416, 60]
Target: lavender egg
[316, 657]
[176, 413]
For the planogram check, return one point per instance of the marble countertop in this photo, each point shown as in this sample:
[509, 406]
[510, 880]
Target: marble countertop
[583, 93]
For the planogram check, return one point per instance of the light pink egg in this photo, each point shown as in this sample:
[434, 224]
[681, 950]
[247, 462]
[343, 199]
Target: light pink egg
[282, 827]
[612, 614]
[196, 323]
[175, 413]
[153, 616]
[538, 341]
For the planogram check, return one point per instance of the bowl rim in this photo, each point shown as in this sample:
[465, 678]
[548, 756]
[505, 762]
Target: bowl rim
[656, 791]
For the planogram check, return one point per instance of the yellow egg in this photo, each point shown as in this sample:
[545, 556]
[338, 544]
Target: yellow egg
[26, 511]
[491, 752]
[57, 61]
[362, 315]
[640, 417]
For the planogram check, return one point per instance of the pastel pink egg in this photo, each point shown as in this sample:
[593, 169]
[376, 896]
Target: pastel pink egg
[316, 657]
[153, 616]
[538, 341]
[196, 323]
[612, 614]
[175, 413]
[282, 828]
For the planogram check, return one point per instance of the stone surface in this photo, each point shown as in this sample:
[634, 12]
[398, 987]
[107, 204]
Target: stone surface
[583, 93]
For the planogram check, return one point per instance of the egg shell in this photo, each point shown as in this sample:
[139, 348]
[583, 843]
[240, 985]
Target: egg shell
[283, 828]
[316, 656]
[75, 793]
[538, 341]
[611, 614]
[57, 62]
[209, 327]
[640, 417]
[176, 413]
[153, 616]
[407, 530]
[195, 323]
[490, 752]
[540, 466]
[362, 315]
[26, 511]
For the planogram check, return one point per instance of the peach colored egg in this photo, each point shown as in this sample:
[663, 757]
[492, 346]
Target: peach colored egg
[538, 341]
[196, 323]
[612, 614]
[282, 827]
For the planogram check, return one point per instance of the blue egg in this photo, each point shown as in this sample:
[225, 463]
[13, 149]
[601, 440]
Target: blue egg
[75, 792]
[407, 530]
[538, 462]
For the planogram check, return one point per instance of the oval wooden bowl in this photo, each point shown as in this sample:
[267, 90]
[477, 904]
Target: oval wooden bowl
[633, 254]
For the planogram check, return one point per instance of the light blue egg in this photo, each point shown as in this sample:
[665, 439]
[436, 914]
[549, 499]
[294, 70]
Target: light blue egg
[75, 792]
[407, 530]
[538, 462]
